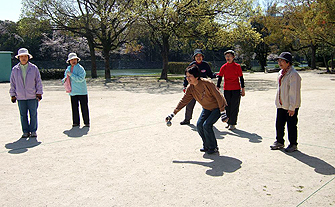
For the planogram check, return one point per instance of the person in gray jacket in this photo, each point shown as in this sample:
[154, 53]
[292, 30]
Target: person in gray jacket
[288, 100]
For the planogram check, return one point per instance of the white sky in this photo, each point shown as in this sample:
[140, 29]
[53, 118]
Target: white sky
[10, 10]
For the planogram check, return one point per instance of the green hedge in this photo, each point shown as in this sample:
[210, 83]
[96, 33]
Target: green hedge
[179, 67]
[49, 74]
[330, 62]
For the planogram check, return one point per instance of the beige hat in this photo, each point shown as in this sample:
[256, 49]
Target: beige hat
[23, 51]
[71, 56]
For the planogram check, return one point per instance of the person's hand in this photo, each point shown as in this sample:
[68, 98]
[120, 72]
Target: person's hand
[218, 88]
[243, 92]
[38, 97]
[184, 89]
[224, 117]
[13, 99]
[291, 113]
[69, 73]
[169, 117]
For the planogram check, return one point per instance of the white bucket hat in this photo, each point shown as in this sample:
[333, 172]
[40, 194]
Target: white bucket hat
[23, 51]
[71, 56]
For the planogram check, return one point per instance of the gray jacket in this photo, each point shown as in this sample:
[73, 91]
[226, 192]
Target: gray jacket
[289, 90]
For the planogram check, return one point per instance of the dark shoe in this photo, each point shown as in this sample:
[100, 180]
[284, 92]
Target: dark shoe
[33, 134]
[75, 125]
[204, 149]
[212, 151]
[291, 148]
[25, 135]
[185, 122]
[231, 127]
[276, 146]
[87, 125]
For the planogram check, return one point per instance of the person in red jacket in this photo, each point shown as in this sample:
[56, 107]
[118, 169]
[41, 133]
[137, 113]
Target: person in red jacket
[233, 87]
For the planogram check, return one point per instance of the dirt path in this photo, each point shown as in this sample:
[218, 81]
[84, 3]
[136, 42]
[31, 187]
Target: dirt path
[129, 157]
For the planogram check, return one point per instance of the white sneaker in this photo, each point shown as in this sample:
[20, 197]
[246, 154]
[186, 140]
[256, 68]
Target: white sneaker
[231, 127]
[33, 134]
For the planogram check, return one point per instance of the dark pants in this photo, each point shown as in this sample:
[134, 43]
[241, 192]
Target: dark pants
[83, 99]
[292, 121]
[189, 110]
[205, 127]
[233, 98]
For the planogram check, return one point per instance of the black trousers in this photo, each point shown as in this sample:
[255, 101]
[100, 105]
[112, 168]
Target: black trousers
[189, 109]
[233, 98]
[292, 121]
[83, 100]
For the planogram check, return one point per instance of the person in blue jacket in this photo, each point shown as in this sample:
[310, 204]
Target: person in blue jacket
[205, 72]
[78, 93]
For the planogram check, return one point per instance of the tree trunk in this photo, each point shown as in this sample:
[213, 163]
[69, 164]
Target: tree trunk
[313, 56]
[107, 65]
[93, 58]
[326, 63]
[165, 57]
[332, 61]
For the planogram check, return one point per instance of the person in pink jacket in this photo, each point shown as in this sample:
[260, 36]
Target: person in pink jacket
[26, 88]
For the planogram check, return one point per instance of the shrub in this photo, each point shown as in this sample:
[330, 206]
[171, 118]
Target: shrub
[243, 66]
[296, 64]
[177, 67]
[330, 62]
[49, 74]
[320, 64]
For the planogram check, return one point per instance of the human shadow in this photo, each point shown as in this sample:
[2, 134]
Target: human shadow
[76, 132]
[193, 127]
[319, 165]
[218, 134]
[253, 137]
[22, 145]
[219, 164]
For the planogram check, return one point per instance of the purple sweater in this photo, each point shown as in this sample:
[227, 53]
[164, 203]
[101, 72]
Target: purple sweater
[32, 85]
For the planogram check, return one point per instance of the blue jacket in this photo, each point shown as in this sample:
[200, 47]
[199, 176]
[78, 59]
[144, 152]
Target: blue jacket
[78, 81]
[28, 89]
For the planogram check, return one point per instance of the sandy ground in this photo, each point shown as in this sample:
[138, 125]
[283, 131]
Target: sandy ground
[129, 157]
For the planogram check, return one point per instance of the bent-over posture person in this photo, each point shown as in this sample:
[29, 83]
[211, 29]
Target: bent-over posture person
[212, 101]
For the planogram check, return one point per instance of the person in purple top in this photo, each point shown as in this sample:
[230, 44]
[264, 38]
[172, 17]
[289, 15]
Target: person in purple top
[26, 88]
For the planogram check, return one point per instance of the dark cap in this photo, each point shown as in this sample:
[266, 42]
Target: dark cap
[285, 56]
[229, 51]
[198, 51]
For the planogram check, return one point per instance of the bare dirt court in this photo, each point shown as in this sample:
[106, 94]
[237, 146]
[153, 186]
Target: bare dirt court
[129, 157]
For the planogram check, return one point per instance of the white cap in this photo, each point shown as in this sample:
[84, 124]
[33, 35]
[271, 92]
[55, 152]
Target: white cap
[23, 51]
[71, 56]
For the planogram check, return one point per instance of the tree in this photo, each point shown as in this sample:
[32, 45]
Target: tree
[10, 40]
[104, 23]
[33, 31]
[167, 19]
